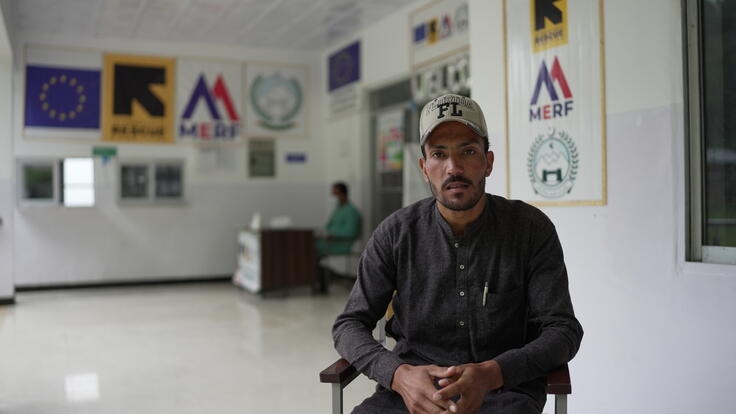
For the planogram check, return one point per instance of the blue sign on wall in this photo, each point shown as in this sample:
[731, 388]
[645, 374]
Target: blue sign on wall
[298, 157]
[344, 66]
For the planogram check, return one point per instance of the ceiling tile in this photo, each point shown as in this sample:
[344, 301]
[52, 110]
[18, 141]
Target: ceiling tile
[286, 24]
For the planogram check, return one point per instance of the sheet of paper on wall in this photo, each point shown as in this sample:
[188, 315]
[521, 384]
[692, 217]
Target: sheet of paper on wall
[261, 158]
[216, 159]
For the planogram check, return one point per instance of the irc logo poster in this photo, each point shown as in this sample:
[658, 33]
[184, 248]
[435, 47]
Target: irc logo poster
[138, 104]
[549, 24]
[209, 100]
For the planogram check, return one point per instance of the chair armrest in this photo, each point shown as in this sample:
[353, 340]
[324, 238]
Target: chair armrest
[341, 372]
[558, 381]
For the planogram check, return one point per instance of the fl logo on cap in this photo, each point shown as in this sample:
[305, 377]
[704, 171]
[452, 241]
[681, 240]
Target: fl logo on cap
[444, 107]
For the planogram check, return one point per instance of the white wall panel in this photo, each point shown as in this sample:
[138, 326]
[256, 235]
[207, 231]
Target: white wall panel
[109, 242]
[7, 172]
[649, 324]
[113, 243]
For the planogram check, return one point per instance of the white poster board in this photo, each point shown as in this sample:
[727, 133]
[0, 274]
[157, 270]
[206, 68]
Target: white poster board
[276, 100]
[208, 101]
[556, 140]
[438, 30]
[390, 140]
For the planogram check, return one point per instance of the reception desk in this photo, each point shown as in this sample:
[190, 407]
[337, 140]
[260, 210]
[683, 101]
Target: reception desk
[274, 259]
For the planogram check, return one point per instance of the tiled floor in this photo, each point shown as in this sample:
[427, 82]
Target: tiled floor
[196, 348]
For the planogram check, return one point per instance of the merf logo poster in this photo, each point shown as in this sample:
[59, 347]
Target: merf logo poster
[138, 104]
[209, 101]
[555, 100]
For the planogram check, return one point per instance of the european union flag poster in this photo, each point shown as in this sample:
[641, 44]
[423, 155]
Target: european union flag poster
[58, 97]
[344, 66]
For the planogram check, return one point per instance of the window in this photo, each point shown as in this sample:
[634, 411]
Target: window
[78, 182]
[37, 181]
[134, 182]
[168, 181]
[68, 182]
[711, 89]
[151, 182]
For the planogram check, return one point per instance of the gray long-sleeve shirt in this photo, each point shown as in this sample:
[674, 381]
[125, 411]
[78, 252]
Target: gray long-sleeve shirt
[527, 324]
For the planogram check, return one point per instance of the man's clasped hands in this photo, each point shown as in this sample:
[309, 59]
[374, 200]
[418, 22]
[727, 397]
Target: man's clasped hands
[459, 389]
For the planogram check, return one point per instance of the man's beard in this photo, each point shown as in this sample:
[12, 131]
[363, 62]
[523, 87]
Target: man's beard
[458, 205]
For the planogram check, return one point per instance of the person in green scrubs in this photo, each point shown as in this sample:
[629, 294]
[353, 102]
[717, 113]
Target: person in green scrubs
[343, 228]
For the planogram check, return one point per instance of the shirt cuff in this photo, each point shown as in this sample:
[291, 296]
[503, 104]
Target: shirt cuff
[513, 367]
[385, 367]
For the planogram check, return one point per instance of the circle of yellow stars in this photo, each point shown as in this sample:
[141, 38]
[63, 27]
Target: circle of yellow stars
[58, 81]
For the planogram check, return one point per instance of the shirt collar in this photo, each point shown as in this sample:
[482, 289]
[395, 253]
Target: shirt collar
[472, 229]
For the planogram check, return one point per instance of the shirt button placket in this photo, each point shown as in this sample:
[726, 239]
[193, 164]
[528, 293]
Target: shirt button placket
[462, 278]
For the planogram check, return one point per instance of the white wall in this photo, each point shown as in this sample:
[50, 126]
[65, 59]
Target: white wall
[659, 332]
[55, 245]
[7, 195]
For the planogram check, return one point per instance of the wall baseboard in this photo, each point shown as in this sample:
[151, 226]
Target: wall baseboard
[7, 301]
[121, 283]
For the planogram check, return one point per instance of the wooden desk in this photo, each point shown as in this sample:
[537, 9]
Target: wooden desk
[273, 259]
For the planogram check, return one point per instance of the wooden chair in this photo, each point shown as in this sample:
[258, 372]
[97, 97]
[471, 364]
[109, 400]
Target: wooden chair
[341, 373]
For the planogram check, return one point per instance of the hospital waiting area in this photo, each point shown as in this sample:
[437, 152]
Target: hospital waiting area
[369, 206]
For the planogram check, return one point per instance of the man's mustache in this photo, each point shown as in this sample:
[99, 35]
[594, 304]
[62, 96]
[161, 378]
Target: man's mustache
[454, 179]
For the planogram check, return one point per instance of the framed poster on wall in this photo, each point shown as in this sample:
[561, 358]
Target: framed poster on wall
[276, 101]
[62, 93]
[138, 99]
[262, 158]
[390, 140]
[208, 101]
[555, 102]
[343, 72]
[438, 31]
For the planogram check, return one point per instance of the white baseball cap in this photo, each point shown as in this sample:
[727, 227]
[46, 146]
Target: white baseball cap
[451, 107]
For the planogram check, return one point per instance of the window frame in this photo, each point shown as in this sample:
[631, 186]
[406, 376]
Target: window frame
[695, 249]
[23, 201]
[151, 199]
[57, 189]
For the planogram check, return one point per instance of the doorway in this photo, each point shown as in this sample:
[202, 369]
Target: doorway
[394, 126]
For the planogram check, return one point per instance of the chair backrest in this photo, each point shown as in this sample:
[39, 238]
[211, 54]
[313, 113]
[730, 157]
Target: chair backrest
[382, 323]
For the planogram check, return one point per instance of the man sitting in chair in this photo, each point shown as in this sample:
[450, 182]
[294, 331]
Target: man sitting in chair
[344, 224]
[342, 229]
[482, 310]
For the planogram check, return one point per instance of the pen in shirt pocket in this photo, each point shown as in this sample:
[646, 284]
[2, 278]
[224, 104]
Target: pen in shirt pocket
[485, 294]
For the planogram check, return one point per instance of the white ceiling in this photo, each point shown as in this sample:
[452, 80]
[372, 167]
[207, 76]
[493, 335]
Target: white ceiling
[282, 24]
